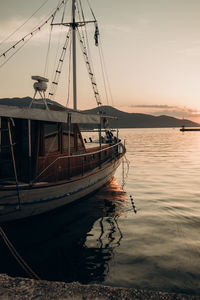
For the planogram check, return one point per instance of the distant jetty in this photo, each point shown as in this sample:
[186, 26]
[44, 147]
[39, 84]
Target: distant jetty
[189, 129]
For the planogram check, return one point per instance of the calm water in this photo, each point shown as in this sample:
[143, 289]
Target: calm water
[102, 239]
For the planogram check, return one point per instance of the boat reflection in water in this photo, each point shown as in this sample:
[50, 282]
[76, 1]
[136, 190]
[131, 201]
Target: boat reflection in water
[74, 243]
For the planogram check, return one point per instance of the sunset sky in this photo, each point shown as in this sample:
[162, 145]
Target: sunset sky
[151, 50]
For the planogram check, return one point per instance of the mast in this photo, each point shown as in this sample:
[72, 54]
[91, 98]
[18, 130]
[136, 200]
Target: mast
[74, 25]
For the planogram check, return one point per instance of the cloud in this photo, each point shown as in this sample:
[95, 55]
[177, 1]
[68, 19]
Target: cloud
[142, 21]
[9, 35]
[9, 28]
[117, 28]
[190, 51]
[178, 113]
[164, 109]
[153, 106]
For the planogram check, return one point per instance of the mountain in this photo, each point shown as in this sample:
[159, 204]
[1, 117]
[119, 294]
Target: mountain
[135, 120]
[26, 101]
[121, 119]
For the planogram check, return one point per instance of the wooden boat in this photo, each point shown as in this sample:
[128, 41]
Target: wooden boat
[44, 161]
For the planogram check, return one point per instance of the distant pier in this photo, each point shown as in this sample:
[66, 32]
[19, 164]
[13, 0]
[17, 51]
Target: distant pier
[189, 129]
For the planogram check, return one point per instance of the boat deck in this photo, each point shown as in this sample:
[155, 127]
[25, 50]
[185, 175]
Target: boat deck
[90, 145]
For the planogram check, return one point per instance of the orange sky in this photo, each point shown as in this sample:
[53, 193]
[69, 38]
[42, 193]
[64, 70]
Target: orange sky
[151, 50]
[177, 112]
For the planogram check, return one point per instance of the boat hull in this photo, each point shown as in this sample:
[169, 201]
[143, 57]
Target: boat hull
[40, 199]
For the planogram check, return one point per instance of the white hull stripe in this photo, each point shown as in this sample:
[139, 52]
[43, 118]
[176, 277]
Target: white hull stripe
[53, 198]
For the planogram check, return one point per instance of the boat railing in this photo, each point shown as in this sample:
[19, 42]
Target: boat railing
[114, 154]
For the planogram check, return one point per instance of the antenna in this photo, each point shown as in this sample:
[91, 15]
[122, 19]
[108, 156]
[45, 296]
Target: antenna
[40, 86]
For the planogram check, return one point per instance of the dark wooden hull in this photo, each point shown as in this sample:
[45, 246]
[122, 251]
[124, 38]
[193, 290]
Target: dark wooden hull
[43, 197]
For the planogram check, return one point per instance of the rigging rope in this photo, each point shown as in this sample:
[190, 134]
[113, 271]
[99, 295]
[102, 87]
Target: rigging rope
[57, 49]
[47, 56]
[105, 70]
[64, 12]
[23, 23]
[125, 174]
[59, 67]
[91, 10]
[17, 256]
[28, 36]
[102, 60]
[85, 35]
[86, 55]
[15, 52]
[90, 71]
[56, 56]
[103, 75]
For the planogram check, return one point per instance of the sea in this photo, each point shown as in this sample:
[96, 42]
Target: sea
[140, 231]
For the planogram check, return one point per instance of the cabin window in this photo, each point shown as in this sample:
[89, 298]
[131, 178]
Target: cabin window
[93, 156]
[65, 136]
[105, 153]
[51, 138]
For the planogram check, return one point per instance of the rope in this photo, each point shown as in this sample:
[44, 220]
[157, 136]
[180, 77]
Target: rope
[125, 175]
[15, 52]
[48, 50]
[105, 71]
[64, 12]
[23, 23]
[103, 75]
[83, 17]
[87, 56]
[14, 163]
[58, 42]
[91, 10]
[74, 156]
[17, 256]
[102, 60]
[30, 35]
[86, 36]
[59, 67]
[64, 2]
[90, 71]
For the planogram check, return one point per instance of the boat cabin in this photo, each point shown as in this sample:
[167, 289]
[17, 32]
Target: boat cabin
[48, 141]
[38, 150]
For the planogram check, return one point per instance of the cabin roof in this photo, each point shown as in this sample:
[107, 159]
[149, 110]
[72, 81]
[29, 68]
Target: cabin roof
[19, 108]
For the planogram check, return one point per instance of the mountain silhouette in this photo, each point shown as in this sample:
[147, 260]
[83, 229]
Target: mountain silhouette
[120, 119]
[138, 120]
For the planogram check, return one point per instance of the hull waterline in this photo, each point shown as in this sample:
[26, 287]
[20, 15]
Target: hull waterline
[38, 200]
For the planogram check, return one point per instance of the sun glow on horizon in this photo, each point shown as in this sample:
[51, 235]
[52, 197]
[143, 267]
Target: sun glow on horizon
[149, 59]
